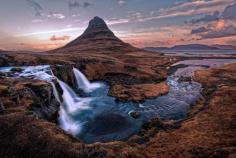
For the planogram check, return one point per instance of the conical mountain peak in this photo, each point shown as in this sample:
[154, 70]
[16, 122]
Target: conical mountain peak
[97, 30]
[97, 22]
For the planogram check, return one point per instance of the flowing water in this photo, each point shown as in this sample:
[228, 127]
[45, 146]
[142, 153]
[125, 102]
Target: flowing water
[83, 83]
[97, 117]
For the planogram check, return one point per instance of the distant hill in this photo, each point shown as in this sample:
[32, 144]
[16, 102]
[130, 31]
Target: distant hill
[192, 47]
[225, 47]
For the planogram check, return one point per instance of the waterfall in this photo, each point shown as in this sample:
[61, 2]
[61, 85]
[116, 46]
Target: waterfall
[83, 83]
[71, 104]
[55, 92]
[67, 124]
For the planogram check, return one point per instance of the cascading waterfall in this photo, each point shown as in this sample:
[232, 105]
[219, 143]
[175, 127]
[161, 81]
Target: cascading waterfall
[83, 83]
[71, 101]
[71, 104]
[55, 92]
[98, 117]
[67, 123]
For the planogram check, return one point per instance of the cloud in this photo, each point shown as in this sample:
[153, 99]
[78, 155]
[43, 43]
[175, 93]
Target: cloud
[218, 29]
[36, 6]
[73, 4]
[121, 2]
[59, 16]
[225, 32]
[190, 8]
[86, 5]
[230, 12]
[207, 18]
[115, 21]
[195, 7]
[38, 20]
[199, 30]
[59, 38]
[50, 32]
[231, 42]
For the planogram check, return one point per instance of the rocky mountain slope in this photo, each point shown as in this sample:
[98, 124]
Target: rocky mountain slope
[97, 30]
[97, 36]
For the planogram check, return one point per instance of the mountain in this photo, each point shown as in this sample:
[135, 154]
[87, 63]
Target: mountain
[96, 30]
[225, 47]
[98, 36]
[192, 47]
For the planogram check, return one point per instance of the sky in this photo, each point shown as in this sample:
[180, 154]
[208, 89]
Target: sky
[38, 25]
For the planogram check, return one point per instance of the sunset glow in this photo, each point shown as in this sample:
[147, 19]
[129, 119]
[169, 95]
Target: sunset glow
[42, 25]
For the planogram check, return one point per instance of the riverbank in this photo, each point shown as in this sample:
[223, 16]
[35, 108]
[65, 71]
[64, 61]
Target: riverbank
[210, 131]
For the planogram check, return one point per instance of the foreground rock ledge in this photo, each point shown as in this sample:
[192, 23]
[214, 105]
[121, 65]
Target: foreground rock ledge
[138, 92]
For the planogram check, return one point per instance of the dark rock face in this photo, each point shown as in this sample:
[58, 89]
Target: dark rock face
[135, 114]
[47, 107]
[28, 95]
[97, 30]
[17, 69]
[2, 108]
[65, 74]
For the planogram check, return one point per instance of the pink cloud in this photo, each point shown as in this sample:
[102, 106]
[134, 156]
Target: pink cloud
[195, 7]
[59, 38]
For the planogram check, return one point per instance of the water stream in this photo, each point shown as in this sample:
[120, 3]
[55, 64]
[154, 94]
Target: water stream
[98, 117]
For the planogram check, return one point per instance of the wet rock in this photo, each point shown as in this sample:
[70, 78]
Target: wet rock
[135, 114]
[2, 75]
[65, 73]
[185, 79]
[16, 69]
[2, 108]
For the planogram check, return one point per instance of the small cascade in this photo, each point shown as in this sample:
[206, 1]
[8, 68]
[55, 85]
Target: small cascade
[83, 83]
[71, 104]
[68, 124]
[71, 101]
[55, 92]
